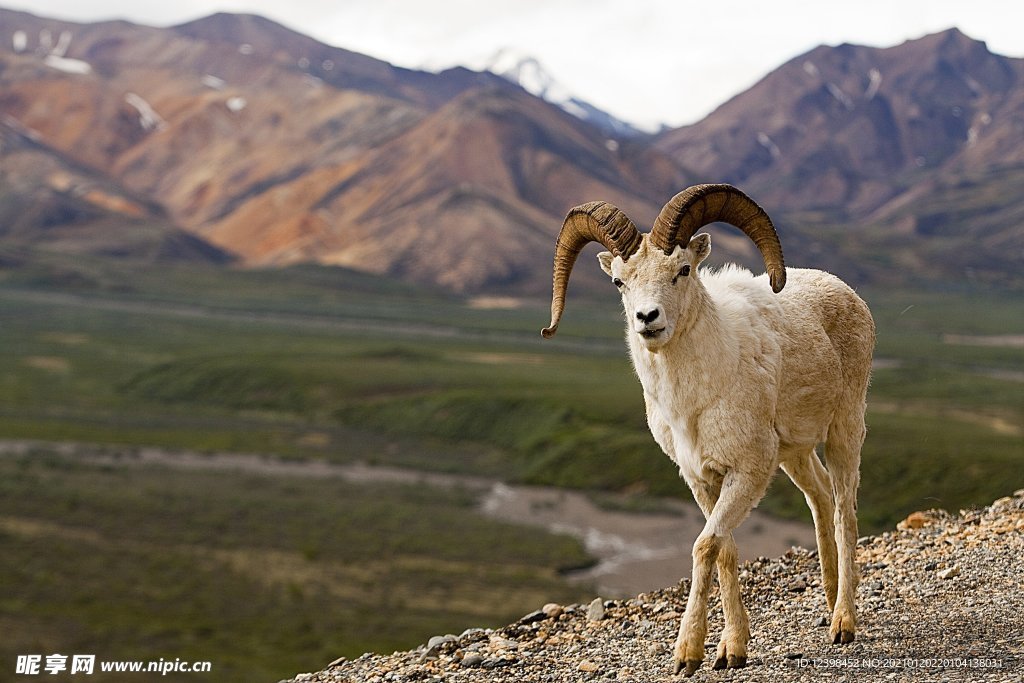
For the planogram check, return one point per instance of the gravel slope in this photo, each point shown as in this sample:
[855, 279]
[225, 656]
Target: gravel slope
[940, 599]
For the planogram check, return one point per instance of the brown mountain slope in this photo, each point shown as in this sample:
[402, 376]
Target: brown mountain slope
[281, 149]
[849, 127]
[334, 66]
[197, 123]
[49, 203]
[469, 198]
[893, 164]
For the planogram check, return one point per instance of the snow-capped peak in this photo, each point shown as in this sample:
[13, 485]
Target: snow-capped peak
[527, 71]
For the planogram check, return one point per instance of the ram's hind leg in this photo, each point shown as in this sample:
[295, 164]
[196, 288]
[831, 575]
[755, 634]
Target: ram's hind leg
[810, 476]
[740, 491]
[842, 456]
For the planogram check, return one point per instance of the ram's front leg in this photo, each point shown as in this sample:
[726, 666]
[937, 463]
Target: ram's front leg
[689, 651]
[739, 493]
[732, 648]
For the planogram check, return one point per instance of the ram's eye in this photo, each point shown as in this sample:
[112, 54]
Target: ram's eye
[617, 282]
[683, 272]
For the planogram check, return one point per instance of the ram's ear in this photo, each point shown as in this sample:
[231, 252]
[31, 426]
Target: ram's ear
[700, 245]
[605, 258]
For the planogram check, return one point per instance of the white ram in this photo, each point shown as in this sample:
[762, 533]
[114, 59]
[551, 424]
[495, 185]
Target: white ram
[738, 382]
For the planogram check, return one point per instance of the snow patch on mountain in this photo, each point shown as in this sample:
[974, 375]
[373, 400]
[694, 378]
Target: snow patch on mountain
[213, 82]
[52, 53]
[769, 144]
[148, 118]
[67, 65]
[874, 83]
[840, 96]
[63, 43]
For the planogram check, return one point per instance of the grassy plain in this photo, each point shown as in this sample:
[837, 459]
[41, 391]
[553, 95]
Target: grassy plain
[261, 575]
[328, 364]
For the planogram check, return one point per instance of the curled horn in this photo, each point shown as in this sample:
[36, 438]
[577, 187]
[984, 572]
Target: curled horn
[697, 206]
[591, 222]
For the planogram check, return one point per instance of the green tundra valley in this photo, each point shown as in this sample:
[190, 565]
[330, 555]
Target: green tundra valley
[265, 575]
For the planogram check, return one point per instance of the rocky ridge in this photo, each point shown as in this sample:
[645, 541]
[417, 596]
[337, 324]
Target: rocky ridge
[939, 600]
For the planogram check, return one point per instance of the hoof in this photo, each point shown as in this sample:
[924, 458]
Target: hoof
[730, 662]
[844, 626]
[843, 637]
[688, 667]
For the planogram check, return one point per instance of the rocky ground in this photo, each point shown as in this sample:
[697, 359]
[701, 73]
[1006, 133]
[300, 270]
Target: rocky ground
[941, 598]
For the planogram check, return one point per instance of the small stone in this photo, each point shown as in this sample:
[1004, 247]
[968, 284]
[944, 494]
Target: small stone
[499, 643]
[822, 621]
[916, 520]
[656, 649]
[434, 646]
[337, 662]
[931, 566]
[794, 655]
[472, 660]
[438, 641]
[552, 610]
[588, 666]
[798, 586]
[471, 635]
[533, 617]
[949, 573]
[595, 612]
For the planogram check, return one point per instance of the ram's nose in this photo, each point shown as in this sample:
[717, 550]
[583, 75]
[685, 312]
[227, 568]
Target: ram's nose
[648, 316]
[648, 322]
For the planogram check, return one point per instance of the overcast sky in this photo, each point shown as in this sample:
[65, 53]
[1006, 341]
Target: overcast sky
[646, 61]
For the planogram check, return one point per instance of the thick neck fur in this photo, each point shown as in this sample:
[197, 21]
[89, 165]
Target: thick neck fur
[694, 366]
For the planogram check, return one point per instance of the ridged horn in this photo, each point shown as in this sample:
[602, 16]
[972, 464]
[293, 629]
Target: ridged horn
[591, 222]
[697, 206]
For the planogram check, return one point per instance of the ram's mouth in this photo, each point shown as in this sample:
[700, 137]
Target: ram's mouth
[651, 334]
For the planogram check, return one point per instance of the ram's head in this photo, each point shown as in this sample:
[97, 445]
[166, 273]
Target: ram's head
[654, 271]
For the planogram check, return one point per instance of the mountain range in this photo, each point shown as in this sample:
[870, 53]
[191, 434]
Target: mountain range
[235, 139]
